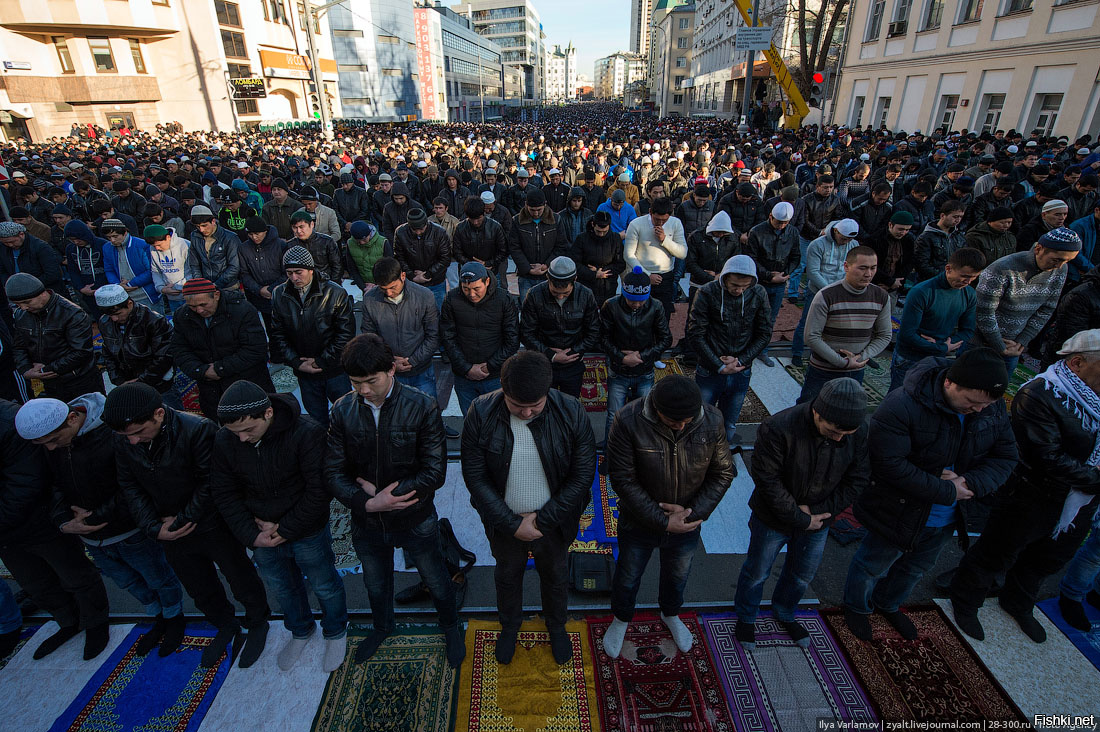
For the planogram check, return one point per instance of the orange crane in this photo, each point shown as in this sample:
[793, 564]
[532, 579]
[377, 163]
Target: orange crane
[797, 109]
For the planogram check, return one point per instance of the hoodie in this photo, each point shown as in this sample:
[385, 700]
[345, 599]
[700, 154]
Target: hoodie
[168, 266]
[254, 199]
[707, 252]
[84, 262]
[825, 260]
[722, 324]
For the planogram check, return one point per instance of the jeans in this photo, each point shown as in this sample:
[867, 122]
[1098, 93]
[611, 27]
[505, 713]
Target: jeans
[468, 390]
[567, 378]
[798, 342]
[1083, 572]
[796, 276]
[424, 380]
[551, 563]
[10, 617]
[439, 291]
[678, 274]
[452, 276]
[284, 566]
[899, 367]
[882, 575]
[317, 392]
[727, 392]
[137, 564]
[58, 577]
[525, 284]
[775, 298]
[804, 552]
[636, 544]
[1010, 361]
[817, 378]
[622, 389]
[375, 544]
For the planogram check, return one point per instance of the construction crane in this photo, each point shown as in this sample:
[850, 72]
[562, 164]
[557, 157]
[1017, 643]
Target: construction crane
[798, 109]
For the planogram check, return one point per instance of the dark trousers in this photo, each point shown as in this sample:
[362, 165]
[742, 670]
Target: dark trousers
[551, 562]
[210, 392]
[68, 389]
[58, 577]
[817, 378]
[636, 544]
[196, 558]
[666, 293]
[1017, 539]
[318, 391]
[567, 377]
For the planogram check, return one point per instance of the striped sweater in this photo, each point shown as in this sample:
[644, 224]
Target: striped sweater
[842, 318]
[1015, 300]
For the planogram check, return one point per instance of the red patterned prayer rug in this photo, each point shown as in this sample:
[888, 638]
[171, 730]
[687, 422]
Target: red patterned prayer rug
[935, 677]
[652, 686]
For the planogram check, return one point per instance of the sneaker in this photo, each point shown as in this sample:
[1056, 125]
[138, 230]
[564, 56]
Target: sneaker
[1032, 628]
[659, 364]
[968, 622]
[902, 624]
[506, 646]
[797, 362]
[561, 646]
[745, 633]
[798, 634]
[766, 360]
[858, 623]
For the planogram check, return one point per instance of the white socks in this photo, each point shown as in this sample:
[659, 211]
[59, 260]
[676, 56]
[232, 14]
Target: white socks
[292, 651]
[680, 632]
[613, 638]
[335, 650]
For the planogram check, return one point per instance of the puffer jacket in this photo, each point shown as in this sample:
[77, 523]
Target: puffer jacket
[820, 210]
[573, 324]
[395, 214]
[604, 252]
[483, 332]
[650, 464]
[409, 327]
[407, 446]
[60, 336]
[318, 329]
[744, 216]
[535, 243]
[24, 485]
[221, 265]
[486, 243]
[234, 342]
[694, 217]
[793, 465]
[708, 252]
[721, 324]
[36, 257]
[279, 479]
[772, 250]
[361, 259]
[85, 261]
[262, 266]
[934, 247]
[992, 244]
[140, 349]
[353, 205]
[644, 330]
[567, 452]
[171, 475]
[914, 435]
[429, 252]
[325, 252]
[138, 257]
[1078, 311]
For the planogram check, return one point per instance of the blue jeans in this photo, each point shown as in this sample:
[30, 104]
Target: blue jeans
[817, 378]
[10, 617]
[283, 568]
[775, 299]
[439, 291]
[678, 271]
[798, 342]
[727, 392]
[804, 552]
[525, 284]
[796, 276]
[137, 564]
[882, 575]
[424, 381]
[375, 544]
[1083, 571]
[468, 390]
[636, 544]
[318, 392]
[899, 367]
[622, 389]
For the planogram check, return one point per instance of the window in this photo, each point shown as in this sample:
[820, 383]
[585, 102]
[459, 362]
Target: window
[874, 23]
[391, 72]
[351, 68]
[933, 14]
[681, 43]
[63, 56]
[677, 98]
[233, 43]
[993, 105]
[677, 81]
[1049, 105]
[159, 2]
[228, 14]
[101, 54]
[1017, 6]
[302, 18]
[243, 71]
[364, 101]
[347, 33]
[681, 62]
[883, 111]
[685, 23]
[389, 39]
[970, 10]
[395, 103]
[135, 52]
[949, 104]
[857, 110]
[900, 23]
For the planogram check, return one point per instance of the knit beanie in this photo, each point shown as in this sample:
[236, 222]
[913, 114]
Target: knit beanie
[980, 368]
[280, 183]
[536, 198]
[677, 397]
[242, 398]
[201, 210]
[154, 232]
[1055, 204]
[636, 285]
[346, 178]
[417, 217]
[198, 286]
[298, 257]
[842, 402]
[129, 402]
[902, 218]
[23, 286]
[39, 417]
[110, 296]
[525, 376]
[62, 210]
[255, 225]
[1061, 240]
[361, 230]
[999, 214]
[301, 215]
[562, 269]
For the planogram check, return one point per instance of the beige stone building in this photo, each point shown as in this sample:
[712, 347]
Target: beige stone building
[671, 31]
[973, 64]
[144, 62]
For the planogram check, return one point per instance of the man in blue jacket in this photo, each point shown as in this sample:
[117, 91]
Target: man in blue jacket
[126, 262]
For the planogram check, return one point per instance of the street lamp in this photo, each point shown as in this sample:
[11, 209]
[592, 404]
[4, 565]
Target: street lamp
[313, 18]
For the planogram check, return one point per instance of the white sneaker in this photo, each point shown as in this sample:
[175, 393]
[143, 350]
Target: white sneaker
[659, 364]
[613, 638]
[680, 632]
[292, 651]
[335, 650]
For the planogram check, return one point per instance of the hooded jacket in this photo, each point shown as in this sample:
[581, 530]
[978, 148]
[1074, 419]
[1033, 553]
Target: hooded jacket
[170, 266]
[253, 200]
[262, 266]
[571, 224]
[456, 198]
[85, 261]
[708, 252]
[137, 256]
[395, 214]
[934, 247]
[825, 260]
[721, 324]
[138, 349]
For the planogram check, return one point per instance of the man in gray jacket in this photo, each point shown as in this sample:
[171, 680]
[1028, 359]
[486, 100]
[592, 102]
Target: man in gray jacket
[326, 221]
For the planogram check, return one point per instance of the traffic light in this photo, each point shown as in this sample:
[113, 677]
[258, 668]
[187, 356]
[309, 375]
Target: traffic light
[817, 89]
[315, 105]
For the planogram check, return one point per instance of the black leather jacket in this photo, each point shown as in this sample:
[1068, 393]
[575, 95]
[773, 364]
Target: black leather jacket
[721, 324]
[279, 480]
[651, 464]
[483, 332]
[318, 329]
[819, 212]
[773, 251]
[793, 465]
[430, 252]
[573, 324]
[567, 452]
[707, 253]
[170, 476]
[486, 243]
[141, 351]
[234, 342]
[533, 243]
[24, 485]
[354, 205]
[325, 252]
[59, 336]
[407, 446]
[644, 330]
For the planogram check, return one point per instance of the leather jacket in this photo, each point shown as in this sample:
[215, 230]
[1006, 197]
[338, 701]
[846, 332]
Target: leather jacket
[483, 332]
[430, 252]
[573, 324]
[644, 330]
[354, 205]
[535, 243]
[772, 250]
[318, 329]
[486, 243]
[819, 212]
[139, 349]
[650, 464]
[24, 488]
[60, 336]
[567, 452]
[708, 253]
[325, 252]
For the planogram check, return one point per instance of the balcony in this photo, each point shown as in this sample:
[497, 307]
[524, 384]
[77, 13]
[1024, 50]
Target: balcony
[72, 17]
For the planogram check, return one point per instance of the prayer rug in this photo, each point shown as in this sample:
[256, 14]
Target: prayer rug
[406, 687]
[935, 677]
[1088, 643]
[148, 692]
[876, 382]
[25, 634]
[781, 686]
[598, 531]
[654, 686]
[339, 522]
[532, 692]
[847, 529]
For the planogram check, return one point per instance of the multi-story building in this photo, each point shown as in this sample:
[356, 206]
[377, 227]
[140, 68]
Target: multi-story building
[670, 54]
[513, 25]
[1015, 64]
[144, 62]
[641, 12]
[614, 73]
[561, 73]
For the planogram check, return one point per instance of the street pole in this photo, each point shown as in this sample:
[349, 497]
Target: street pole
[748, 68]
[232, 104]
[840, 65]
[313, 18]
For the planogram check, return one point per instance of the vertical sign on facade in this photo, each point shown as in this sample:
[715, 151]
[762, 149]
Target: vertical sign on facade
[428, 99]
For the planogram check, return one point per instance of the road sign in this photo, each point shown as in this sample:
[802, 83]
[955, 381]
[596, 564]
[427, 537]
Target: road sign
[757, 38]
[248, 88]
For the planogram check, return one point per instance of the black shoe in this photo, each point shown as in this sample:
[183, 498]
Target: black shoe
[506, 646]
[1093, 598]
[798, 634]
[55, 641]
[369, 645]
[151, 639]
[173, 635]
[212, 654]
[452, 433]
[797, 362]
[96, 639]
[8, 642]
[1032, 628]
[254, 643]
[859, 624]
[968, 622]
[766, 360]
[561, 646]
[902, 624]
[456, 646]
[873, 364]
[745, 633]
[602, 466]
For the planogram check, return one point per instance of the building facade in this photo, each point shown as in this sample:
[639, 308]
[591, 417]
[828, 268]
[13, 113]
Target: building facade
[561, 74]
[672, 34]
[1015, 64]
[460, 72]
[614, 73]
[641, 13]
[514, 25]
[144, 62]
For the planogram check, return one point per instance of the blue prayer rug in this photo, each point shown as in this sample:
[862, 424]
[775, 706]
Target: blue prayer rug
[1088, 643]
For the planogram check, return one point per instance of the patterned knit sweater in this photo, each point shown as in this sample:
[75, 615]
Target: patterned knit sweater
[842, 318]
[1015, 300]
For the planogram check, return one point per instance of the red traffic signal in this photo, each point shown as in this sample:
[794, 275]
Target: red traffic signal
[818, 77]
